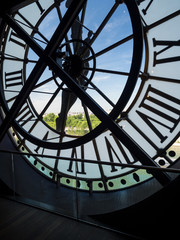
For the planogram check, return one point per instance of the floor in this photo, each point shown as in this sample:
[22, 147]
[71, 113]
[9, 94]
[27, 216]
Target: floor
[22, 222]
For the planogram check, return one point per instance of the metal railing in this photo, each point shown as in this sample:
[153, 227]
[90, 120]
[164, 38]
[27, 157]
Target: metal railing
[124, 165]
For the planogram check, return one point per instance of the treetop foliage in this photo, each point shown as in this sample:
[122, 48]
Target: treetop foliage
[75, 124]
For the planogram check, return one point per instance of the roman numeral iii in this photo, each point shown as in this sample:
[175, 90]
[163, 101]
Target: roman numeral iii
[166, 46]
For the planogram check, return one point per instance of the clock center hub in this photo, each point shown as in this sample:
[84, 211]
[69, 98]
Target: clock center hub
[73, 65]
[75, 57]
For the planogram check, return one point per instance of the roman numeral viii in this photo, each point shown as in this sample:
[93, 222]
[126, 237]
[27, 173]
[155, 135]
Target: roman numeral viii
[160, 112]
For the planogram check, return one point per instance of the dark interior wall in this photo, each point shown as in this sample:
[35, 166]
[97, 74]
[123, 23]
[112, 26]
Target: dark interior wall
[12, 5]
[157, 217]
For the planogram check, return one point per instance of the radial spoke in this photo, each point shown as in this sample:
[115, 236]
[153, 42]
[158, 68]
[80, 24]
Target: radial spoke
[83, 13]
[103, 24]
[43, 83]
[45, 108]
[102, 94]
[108, 71]
[41, 92]
[105, 21]
[111, 47]
[13, 58]
[81, 22]
[29, 25]
[99, 91]
[14, 91]
[163, 79]
[159, 22]
[78, 27]
[39, 40]
[66, 37]
[52, 99]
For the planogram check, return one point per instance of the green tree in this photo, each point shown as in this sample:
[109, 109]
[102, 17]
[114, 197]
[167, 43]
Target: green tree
[50, 117]
[77, 124]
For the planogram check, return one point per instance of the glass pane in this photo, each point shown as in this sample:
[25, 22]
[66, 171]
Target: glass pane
[7, 175]
[33, 188]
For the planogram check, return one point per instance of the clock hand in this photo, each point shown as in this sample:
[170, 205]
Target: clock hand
[68, 97]
[104, 22]
[39, 68]
[13, 58]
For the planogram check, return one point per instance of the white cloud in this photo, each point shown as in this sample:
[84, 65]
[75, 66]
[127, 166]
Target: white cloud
[49, 24]
[98, 79]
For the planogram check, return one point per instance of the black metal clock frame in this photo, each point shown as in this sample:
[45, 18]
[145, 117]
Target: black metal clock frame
[108, 121]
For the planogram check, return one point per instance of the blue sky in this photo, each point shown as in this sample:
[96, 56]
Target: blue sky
[118, 59]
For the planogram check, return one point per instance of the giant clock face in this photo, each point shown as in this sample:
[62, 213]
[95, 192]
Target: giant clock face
[119, 63]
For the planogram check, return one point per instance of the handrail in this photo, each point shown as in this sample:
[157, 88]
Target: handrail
[125, 165]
